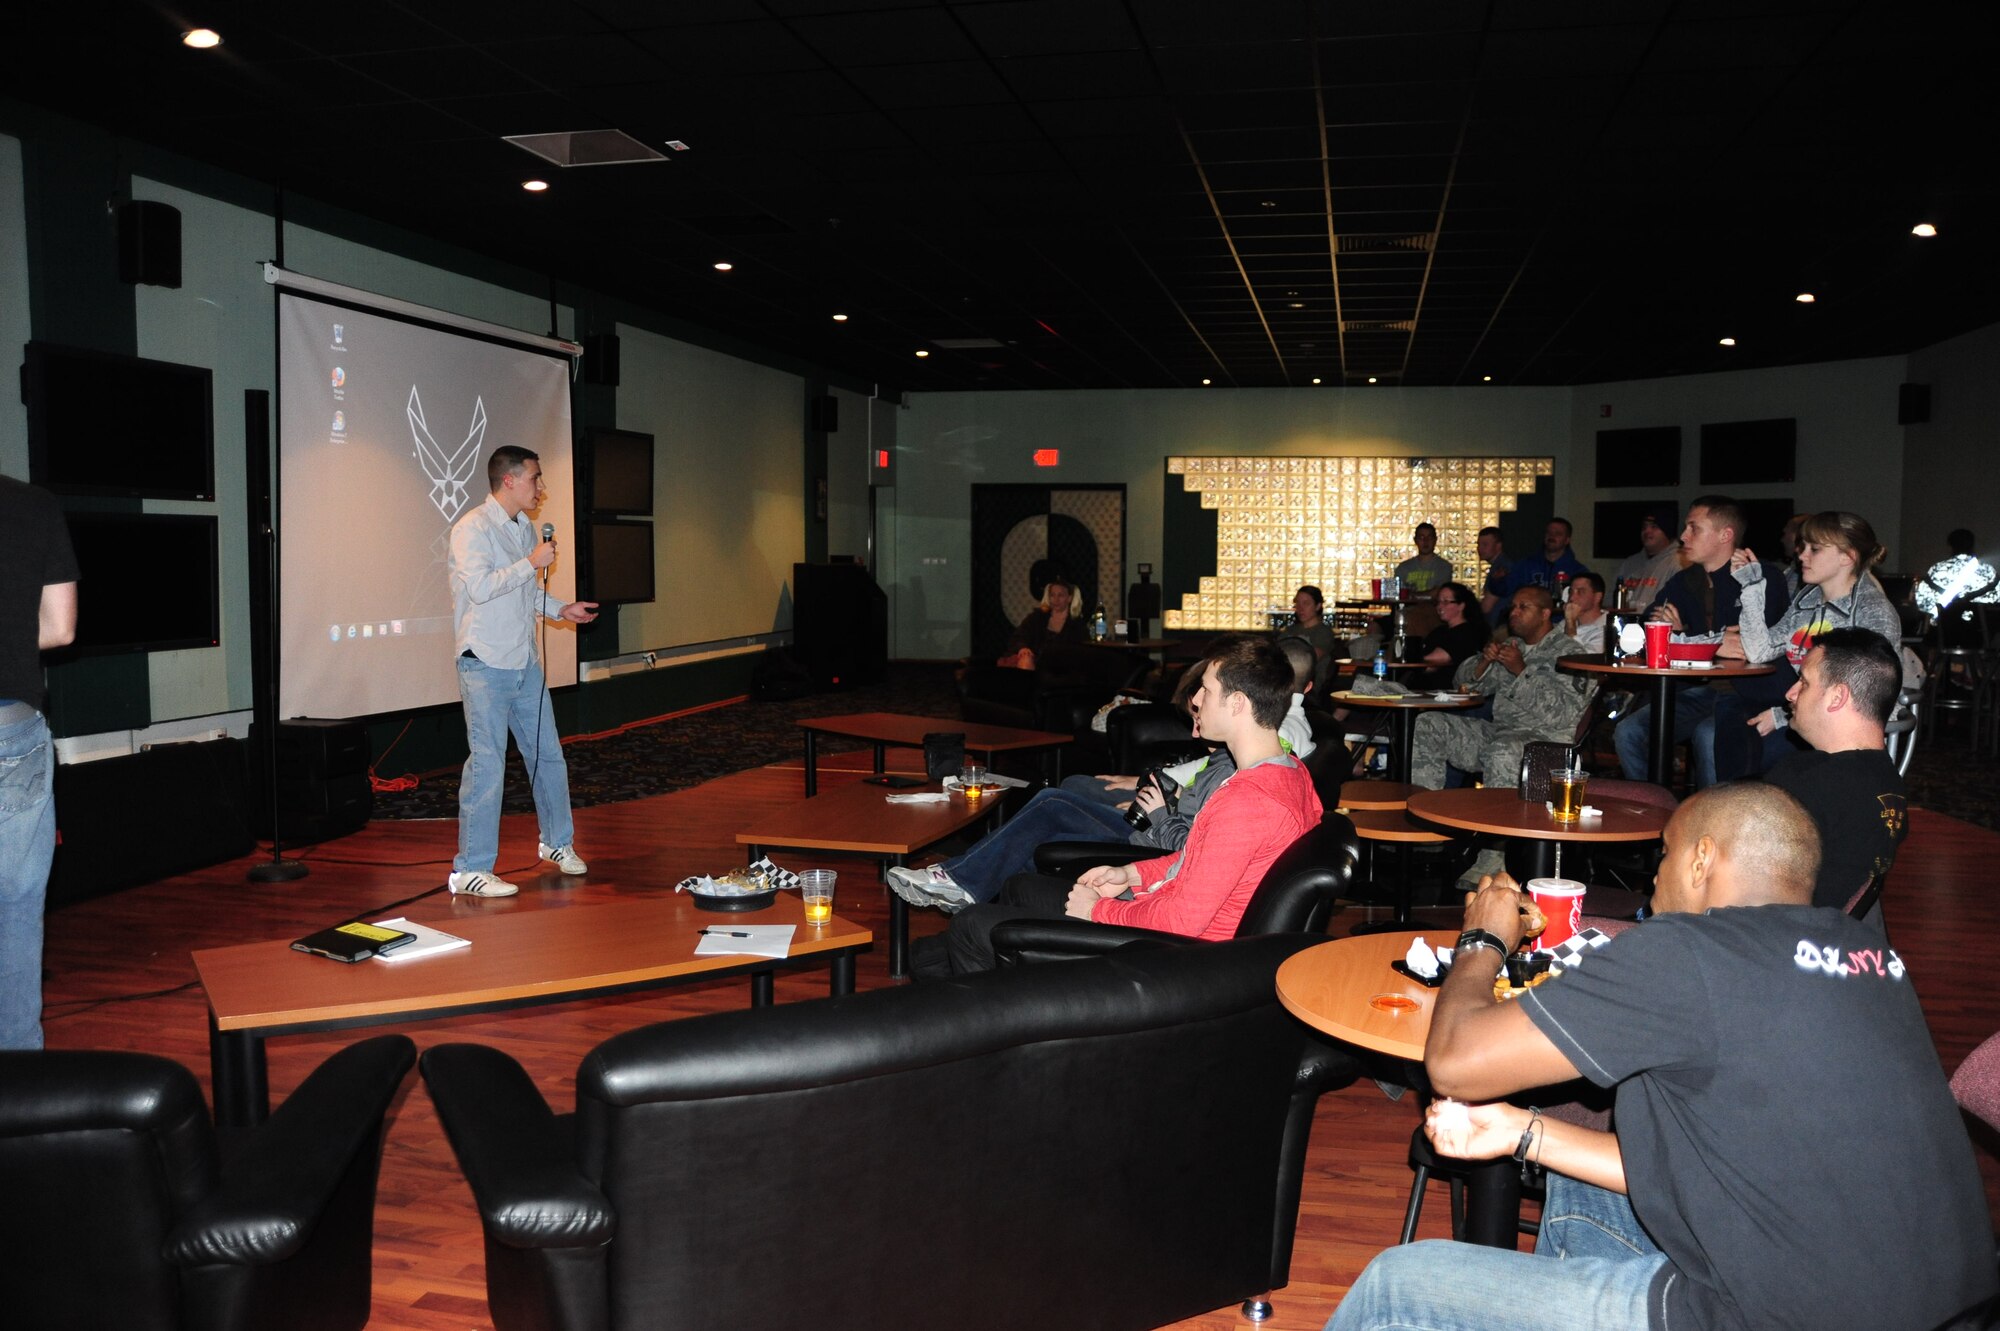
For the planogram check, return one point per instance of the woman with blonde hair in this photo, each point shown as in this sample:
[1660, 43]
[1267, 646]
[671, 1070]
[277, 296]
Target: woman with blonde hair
[1055, 620]
[1837, 589]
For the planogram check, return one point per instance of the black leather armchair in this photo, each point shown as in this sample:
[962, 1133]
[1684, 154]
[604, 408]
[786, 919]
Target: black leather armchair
[120, 1211]
[1118, 1143]
[1297, 895]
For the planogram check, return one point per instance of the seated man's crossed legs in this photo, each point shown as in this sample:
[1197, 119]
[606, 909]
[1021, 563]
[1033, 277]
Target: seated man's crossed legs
[966, 948]
[979, 873]
[1469, 744]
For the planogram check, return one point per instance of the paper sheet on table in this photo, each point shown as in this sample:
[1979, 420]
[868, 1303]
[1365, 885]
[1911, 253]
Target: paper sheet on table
[429, 942]
[922, 797]
[765, 940]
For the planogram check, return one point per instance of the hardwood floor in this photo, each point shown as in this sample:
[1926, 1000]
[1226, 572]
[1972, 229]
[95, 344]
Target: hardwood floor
[1941, 908]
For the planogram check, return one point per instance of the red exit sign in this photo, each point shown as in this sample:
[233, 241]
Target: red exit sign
[1047, 457]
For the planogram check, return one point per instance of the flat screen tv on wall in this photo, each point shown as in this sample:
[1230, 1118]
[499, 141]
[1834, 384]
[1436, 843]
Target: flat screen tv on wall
[119, 608]
[100, 423]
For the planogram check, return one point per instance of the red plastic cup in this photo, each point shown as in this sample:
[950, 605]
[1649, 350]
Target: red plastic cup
[1657, 634]
[1376, 583]
[1561, 900]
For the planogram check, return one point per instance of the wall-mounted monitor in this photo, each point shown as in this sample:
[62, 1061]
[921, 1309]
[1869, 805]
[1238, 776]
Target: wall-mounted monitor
[1763, 523]
[121, 606]
[617, 470]
[1649, 455]
[1615, 525]
[1750, 452]
[620, 569]
[106, 424]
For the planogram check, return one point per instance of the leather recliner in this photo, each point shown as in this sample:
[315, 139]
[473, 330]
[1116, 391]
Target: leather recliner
[1296, 895]
[120, 1210]
[1118, 1143]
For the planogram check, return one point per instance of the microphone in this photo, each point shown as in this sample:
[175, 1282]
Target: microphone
[548, 531]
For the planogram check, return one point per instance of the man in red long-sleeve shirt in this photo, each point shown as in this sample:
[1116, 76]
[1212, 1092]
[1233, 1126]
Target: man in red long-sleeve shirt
[1202, 891]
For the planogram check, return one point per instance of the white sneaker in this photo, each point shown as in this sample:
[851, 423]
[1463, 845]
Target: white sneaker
[932, 886]
[563, 857]
[480, 885]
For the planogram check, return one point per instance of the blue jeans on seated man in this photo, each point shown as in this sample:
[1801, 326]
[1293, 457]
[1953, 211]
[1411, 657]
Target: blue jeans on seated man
[1051, 815]
[1694, 721]
[1591, 1270]
[27, 846]
[497, 702]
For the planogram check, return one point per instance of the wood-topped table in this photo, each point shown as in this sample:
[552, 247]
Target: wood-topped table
[1406, 706]
[886, 728]
[1660, 764]
[518, 958]
[858, 819]
[1530, 828]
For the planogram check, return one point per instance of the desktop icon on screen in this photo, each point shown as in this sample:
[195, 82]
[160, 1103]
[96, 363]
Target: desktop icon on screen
[339, 376]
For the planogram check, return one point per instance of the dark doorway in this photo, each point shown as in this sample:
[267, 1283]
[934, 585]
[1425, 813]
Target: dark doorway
[1020, 533]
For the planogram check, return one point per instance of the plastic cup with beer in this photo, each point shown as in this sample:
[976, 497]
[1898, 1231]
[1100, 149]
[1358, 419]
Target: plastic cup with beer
[972, 777]
[1561, 902]
[1658, 634]
[816, 895]
[1566, 790]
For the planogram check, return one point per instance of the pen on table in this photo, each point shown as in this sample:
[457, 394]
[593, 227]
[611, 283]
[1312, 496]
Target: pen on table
[726, 933]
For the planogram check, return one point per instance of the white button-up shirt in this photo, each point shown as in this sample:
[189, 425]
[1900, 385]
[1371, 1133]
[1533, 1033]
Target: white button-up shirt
[493, 587]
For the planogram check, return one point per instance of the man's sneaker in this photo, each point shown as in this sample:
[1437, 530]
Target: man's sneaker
[563, 857]
[931, 886]
[480, 885]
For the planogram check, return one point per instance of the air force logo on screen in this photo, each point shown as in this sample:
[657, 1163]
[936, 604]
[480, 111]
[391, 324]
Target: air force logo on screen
[449, 469]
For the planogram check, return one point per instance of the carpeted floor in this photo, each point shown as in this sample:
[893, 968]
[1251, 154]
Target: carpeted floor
[688, 750]
[1946, 776]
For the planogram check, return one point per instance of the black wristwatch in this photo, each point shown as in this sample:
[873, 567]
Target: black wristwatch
[1480, 938]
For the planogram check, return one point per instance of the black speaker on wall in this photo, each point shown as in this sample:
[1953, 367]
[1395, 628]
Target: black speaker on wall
[1913, 404]
[600, 359]
[826, 414]
[149, 243]
[840, 624]
[323, 790]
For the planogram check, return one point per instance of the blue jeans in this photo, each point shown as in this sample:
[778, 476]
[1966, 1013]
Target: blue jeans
[1694, 721]
[27, 845]
[496, 702]
[1590, 1271]
[1052, 815]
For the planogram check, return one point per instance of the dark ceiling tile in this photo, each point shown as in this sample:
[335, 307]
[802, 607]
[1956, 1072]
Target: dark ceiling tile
[1097, 74]
[1099, 118]
[1048, 27]
[721, 49]
[1002, 123]
[945, 83]
[444, 71]
[1202, 22]
[1426, 58]
[1605, 50]
[1235, 66]
[885, 37]
[580, 61]
[636, 15]
[1365, 104]
[518, 113]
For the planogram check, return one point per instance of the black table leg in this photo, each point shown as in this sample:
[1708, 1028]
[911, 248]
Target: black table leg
[1406, 739]
[1661, 768]
[760, 989]
[1529, 857]
[812, 764]
[881, 757]
[239, 1076]
[899, 926]
[840, 975]
[1400, 919]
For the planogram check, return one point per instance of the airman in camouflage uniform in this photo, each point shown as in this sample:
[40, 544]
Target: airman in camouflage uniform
[1531, 700]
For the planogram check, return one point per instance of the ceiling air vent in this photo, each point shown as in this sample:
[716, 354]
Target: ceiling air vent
[1365, 244]
[1378, 326]
[587, 147]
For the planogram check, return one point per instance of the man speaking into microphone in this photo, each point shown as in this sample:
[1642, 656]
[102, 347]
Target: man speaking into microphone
[496, 599]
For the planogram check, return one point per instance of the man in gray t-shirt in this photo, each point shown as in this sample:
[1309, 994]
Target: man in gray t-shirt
[1426, 570]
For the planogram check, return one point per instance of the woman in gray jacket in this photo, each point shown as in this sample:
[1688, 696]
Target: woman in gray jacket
[1837, 589]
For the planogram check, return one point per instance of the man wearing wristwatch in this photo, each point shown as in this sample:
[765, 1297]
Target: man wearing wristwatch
[1787, 1153]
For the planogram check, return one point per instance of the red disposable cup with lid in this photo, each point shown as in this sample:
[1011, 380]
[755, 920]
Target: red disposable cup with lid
[1561, 901]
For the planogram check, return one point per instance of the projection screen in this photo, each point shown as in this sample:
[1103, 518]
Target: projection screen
[385, 425]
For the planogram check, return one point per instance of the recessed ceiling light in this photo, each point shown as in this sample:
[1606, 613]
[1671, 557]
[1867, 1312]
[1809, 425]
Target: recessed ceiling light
[1485, 378]
[534, 186]
[724, 266]
[922, 353]
[201, 39]
[1315, 381]
[1923, 229]
[1269, 203]
[1206, 382]
[1371, 378]
[1727, 342]
[1298, 304]
[1805, 298]
[840, 318]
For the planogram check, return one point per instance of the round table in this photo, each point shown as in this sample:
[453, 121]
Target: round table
[1660, 766]
[1532, 832]
[1396, 828]
[1332, 989]
[1406, 706]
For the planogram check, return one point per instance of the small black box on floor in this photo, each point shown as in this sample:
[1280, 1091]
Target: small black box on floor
[323, 786]
[146, 816]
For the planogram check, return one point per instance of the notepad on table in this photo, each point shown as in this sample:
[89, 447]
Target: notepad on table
[429, 942]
